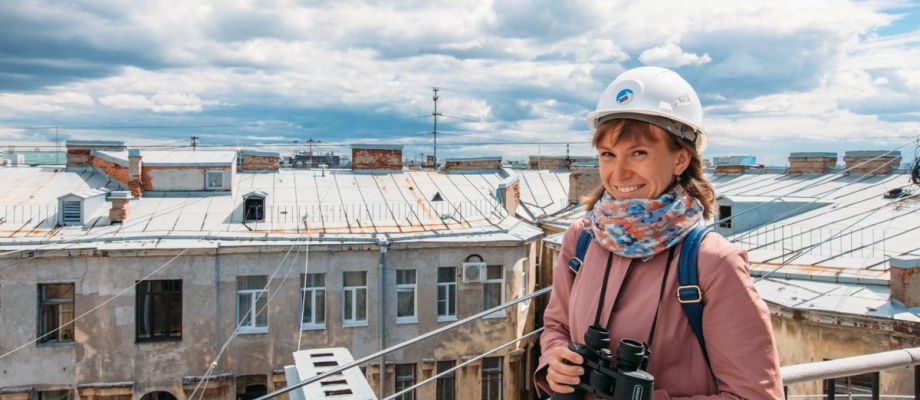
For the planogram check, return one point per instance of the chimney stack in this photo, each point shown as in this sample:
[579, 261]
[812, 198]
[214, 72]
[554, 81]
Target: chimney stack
[119, 211]
[135, 176]
[473, 163]
[905, 280]
[584, 178]
[509, 192]
[811, 163]
[882, 162]
[376, 157]
[80, 152]
[252, 160]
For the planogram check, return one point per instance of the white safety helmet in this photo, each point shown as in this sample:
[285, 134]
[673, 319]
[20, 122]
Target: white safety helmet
[655, 95]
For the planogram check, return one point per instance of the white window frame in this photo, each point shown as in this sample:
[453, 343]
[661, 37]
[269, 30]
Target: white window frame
[501, 282]
[223, 179]
[354, 322]
[403, 288]
[254, 296]
[314, 292]
[448, 300]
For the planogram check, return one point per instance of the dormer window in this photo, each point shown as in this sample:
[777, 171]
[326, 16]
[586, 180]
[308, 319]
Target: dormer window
[71, 213]
[254, 206]
[437, 197]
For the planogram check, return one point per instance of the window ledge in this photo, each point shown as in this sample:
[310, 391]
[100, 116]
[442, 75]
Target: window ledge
[406, 320]
[357, 324]
[68, 343]
[495, 315]
[447, 318]
[312, 327]
[247, 331]
[158, 340]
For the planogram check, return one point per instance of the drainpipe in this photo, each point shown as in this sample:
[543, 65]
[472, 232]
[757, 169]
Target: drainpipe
[381, 311]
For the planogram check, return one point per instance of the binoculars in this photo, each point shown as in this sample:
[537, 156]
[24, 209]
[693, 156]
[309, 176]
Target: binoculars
[609, 375]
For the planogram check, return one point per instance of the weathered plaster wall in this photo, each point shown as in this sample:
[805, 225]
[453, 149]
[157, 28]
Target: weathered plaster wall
[105, 349]
[179, 178]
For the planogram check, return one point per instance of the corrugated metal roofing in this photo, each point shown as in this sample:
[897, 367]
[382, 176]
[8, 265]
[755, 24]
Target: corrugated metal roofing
[341, 203]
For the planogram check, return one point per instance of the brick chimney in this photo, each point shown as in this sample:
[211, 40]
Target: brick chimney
[583, 179]
[905, 280]
[473, 164]
[734, 165]
[252, 160]
[811, 163]
[509, 191]
[119, 211]
[135, 175]
[882, 161]
[80, 152]
[376, 157]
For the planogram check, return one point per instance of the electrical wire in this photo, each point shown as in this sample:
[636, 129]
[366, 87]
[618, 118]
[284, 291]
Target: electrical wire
[98, 306]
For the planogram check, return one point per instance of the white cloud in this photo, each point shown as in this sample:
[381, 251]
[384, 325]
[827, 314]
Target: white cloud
[159, 103]
[671, 55]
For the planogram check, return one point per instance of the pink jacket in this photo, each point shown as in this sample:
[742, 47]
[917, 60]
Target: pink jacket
[736, 322]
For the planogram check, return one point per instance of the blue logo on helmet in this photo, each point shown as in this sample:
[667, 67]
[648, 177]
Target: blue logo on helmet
[624, 96]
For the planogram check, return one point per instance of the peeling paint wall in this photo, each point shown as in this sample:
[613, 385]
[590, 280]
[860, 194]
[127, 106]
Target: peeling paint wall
[105, 349]
[115, 171]
[800, 340]
[182, 178]
[385, 159]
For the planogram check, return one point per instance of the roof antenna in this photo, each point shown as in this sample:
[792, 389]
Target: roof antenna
[194, 143]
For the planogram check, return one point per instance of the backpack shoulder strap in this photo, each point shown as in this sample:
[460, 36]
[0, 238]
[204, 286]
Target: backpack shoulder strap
[688, 292]
[581, 248]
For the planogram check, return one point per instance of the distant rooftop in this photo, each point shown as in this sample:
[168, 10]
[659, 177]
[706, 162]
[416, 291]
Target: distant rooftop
[173, 158]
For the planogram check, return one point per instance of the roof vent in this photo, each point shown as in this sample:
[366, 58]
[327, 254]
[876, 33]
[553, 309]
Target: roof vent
[437, 197]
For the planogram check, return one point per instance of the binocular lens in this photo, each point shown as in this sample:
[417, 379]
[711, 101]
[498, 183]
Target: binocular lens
[630, 354]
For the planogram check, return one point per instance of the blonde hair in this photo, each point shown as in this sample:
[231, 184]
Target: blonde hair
[692, 179]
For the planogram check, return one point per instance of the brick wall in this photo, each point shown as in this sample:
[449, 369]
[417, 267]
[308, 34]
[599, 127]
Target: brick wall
[79, 157]
[259, 163]
[115, 171]
[581, 182]
[365, 159]
[467, 165]
[880, 164]
[811, 163]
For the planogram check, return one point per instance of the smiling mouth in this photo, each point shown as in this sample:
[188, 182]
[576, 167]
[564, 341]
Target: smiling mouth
[628, 189]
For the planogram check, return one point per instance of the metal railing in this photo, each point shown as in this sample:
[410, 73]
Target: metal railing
[402, 345]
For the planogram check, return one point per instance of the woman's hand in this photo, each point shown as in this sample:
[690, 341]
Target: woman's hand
[562, 376]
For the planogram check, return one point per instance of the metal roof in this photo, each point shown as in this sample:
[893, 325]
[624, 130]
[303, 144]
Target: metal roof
[342, 206]
[543, 192]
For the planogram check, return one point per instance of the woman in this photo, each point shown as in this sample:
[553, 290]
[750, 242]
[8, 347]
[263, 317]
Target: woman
[648, 137]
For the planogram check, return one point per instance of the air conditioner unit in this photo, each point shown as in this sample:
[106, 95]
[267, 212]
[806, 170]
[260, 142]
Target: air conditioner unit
[473, 272]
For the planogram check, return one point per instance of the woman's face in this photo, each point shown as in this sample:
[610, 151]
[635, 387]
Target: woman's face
[641, 166]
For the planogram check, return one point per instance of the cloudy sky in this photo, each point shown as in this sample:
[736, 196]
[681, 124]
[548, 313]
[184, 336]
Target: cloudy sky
[774, 76]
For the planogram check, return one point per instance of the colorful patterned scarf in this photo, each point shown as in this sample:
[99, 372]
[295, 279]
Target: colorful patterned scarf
[638, 228]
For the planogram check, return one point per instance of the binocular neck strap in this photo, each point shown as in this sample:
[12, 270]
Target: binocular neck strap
[616, 300]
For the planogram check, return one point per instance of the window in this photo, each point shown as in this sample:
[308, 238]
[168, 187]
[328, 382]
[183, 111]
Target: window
[215, 179]
[405, 296]
[251, 303]
[55, 312]
[54, 395]
[445, 384]
[354, 311]
[492, 378]
[249, 387]
[865, 385]
[493, 288]
[725, 212]
[313, 294]
[447, 293]
[71, 213]
[255, 209]
[159, 310]
[405, 377]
